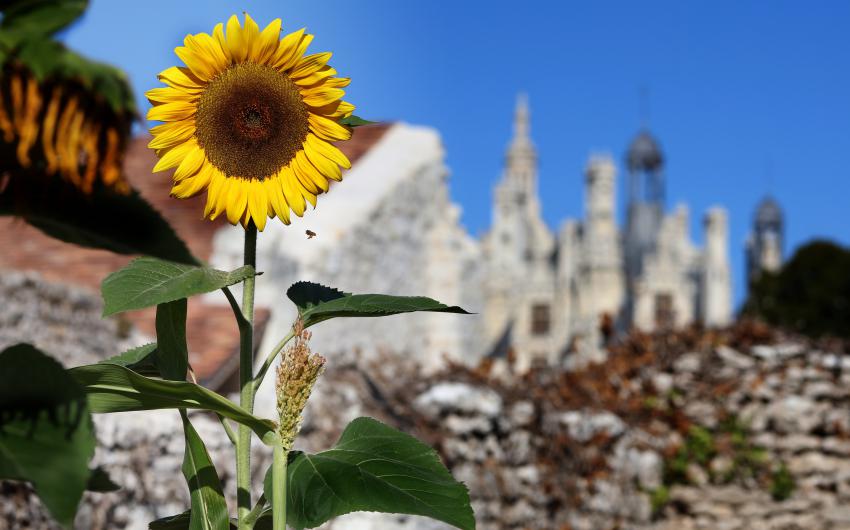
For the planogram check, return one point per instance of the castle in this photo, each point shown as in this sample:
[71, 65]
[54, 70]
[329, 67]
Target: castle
[548, 294]
[538, 295]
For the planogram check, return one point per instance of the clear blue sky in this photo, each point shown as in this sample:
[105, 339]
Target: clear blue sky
[746, 97]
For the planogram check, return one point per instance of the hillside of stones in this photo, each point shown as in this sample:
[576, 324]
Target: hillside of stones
[744, 428]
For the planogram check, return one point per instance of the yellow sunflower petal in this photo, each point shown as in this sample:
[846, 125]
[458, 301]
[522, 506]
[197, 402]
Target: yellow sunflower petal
[208, 49]
[236, 43]
[172, 133]
[251, 34]
[327, 129]
[190, 165]
[169, 95]
[215, 195]
[296, 53]
[309, 64]
[292, 191]
[196, 62]
[181, 77]
[172, 157]
[237, 200]
[318, 97]
[179, 110]
[276, 200]
[258, 204]
[266, 45]
[302, 169]
[327, 150]
[322, 75]
[218, 35]
[337, 82]
[328, 168]
[286, 48]
[193, 185]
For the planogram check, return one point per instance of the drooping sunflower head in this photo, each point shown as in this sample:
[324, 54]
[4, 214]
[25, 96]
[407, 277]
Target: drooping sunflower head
[251, 120]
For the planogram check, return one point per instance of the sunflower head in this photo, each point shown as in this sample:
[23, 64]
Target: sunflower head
[250, 119]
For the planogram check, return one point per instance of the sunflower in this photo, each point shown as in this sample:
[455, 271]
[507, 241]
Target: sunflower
[251, 120]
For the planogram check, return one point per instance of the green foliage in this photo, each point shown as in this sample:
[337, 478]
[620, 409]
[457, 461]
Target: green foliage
[372, 468]
[147, 282]
[141, 359]
[39, 18]
[114, 388]
[810, 294]
[172, 353]
[125, 224]
[317, 303]
[209, 509]
[781, 484]
[177, 522]
[46, 432]
[100, 481]
[355, 121]
[658, 499]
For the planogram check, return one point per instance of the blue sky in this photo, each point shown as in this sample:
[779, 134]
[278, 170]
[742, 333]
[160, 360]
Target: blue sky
[746, 97]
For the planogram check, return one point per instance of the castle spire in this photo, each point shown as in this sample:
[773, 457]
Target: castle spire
[522, 119]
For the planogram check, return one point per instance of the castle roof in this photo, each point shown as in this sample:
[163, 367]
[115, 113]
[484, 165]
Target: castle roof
[768, 212]
[644, 153]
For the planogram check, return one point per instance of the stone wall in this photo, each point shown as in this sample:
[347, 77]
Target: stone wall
[740, 429]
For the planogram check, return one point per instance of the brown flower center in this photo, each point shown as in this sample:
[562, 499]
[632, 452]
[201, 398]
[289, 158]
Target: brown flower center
[251, 121]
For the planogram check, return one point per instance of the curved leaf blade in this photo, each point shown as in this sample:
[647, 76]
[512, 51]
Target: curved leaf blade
[114, 388]
[375, 468]
[46, 431]
[147, 282]
[209, 509]
[317, 303]
[141, 359]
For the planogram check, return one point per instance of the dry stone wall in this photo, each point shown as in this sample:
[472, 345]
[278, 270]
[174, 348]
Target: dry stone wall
[739, 429]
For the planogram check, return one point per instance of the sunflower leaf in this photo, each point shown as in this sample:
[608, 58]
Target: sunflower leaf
[147, 282]
[114, 388]
[141, 359]
[46, 431]
[209, 509]
[355, 121]
[317, 303]
[375, 468]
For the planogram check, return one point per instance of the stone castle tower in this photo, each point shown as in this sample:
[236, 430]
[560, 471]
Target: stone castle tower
[547, 296]
[765, 243]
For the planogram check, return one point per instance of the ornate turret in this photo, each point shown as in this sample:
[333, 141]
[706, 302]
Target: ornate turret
[645, 210]
[765, 244]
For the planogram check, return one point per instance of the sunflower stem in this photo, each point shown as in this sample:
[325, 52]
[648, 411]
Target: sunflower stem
[279, 488]
[246, 387]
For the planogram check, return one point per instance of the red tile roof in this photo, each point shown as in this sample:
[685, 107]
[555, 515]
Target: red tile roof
[213, 337]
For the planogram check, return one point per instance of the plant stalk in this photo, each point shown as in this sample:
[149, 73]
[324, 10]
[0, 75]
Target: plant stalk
[246, 387]
[279, 488]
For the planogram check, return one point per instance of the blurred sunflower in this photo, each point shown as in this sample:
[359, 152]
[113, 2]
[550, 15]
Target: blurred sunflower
[250, 119]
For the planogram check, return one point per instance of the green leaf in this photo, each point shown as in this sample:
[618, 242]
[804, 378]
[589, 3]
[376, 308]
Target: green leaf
[125, 224]
[141, 359]
[375, 468]
[40, 18]
[209, 509]
[114, 388]
[46, 432]
[355, 121]
[99, 481]
[317, 303]
[172, 522]
[147, 282]
[172, 353]
[176, 522]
